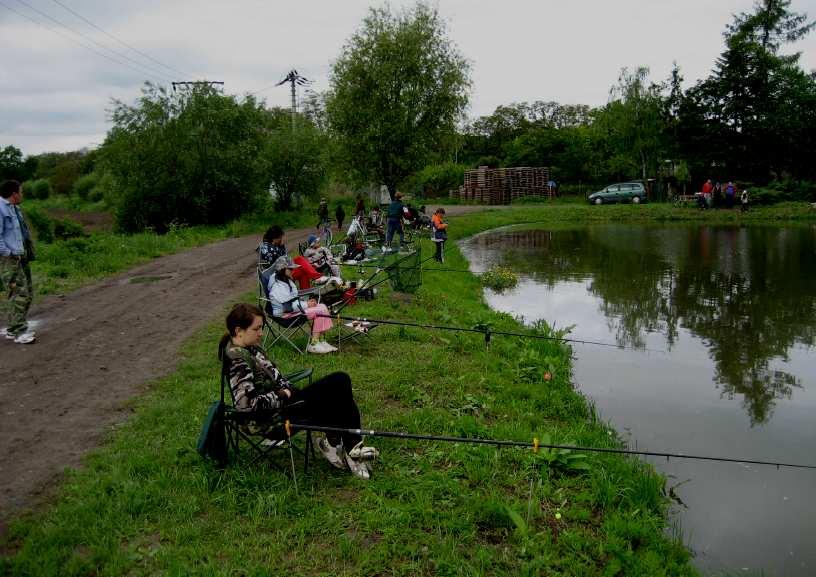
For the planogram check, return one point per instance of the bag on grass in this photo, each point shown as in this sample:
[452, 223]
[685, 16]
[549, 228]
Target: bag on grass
[212, 442]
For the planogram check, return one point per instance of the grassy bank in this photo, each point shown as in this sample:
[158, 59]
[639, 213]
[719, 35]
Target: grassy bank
[146, 503]
[64, 265]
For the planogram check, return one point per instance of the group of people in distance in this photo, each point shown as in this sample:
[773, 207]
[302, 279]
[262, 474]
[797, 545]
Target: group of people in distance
[716, 195]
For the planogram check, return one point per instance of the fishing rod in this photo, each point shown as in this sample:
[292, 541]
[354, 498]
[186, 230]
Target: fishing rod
[486, 332]
[535, 445]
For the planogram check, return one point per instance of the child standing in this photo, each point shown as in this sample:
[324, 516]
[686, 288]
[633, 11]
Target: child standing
[440, 232]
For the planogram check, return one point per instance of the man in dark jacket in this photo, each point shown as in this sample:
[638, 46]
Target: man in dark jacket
[394, 220]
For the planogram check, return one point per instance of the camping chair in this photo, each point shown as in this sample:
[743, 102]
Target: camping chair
[262, 432]
[289, 328]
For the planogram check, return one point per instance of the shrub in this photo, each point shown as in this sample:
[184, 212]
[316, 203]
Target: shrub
[41, 189]
[67, 228]
[85, 184]
[42, 224]
[436, 180]
[105, 189]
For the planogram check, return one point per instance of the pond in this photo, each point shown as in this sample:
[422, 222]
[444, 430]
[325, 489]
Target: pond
[715, 328]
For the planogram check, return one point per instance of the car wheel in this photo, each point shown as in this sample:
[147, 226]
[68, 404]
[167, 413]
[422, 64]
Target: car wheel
[635, 200]
[598, 201]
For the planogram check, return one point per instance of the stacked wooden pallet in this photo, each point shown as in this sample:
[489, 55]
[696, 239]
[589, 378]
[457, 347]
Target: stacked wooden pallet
[502, 185]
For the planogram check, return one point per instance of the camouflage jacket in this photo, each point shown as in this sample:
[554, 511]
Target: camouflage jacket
[255, 381]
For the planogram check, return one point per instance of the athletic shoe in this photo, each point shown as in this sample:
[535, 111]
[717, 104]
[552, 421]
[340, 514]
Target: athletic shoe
[329, 347]
[362, 453]
[330, 453]
[7, 334]
[25, 338]
[316, 349]
[357, 468]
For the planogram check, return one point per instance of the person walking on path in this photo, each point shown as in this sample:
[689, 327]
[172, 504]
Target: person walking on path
[440, 233]
[340, 216]
[16, 252]
[394, 220]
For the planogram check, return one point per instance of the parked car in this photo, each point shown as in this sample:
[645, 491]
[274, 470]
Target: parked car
[633, 192]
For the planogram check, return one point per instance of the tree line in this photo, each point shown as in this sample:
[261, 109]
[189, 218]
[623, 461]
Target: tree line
[395, 115]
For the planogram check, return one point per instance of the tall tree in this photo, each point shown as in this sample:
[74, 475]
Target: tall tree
[756, 109]
[397, 90]
[632, 124]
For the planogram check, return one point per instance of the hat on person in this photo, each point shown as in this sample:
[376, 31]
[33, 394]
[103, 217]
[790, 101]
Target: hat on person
[397, 194]
[312, 240]
[284, 262]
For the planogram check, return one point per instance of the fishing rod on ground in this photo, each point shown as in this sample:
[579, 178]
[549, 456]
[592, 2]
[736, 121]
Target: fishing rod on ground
[484, 330]
[535, 445]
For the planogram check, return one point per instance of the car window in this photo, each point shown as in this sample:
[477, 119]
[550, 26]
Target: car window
[626, 187]
[612, 188]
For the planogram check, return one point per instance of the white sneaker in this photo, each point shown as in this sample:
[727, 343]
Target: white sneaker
[316, 349]
[25, 338]
[357, 468]
[362, 453]
[328, 347]
[7, 334]
[330, 453]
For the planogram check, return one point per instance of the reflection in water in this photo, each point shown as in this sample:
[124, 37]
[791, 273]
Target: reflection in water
[749, 294]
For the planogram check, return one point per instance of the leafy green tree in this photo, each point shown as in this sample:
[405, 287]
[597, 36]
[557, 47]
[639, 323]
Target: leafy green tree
[293, 157]
[189, 157]
[754, 115]
[397, 91]
[632, 125]
[13, 166]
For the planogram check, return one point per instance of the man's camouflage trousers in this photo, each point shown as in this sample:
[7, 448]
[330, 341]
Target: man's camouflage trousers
[16, 292]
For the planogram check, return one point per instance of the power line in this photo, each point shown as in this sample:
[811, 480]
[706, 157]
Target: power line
[122, 42]
[143, 70]
[535, 445]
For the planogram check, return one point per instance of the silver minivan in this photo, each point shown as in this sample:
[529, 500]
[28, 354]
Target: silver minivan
[633, 192]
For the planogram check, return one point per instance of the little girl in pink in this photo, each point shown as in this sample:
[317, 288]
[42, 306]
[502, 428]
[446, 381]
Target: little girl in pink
[319, 314]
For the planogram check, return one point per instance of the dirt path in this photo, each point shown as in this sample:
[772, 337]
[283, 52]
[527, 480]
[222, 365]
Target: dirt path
[98, 347]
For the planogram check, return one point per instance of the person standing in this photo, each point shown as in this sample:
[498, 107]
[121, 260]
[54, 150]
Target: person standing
[394, 220]
[440, 233]
[730, 194]
[16, 252]
[359, 208]
[340, 216]
[744, 200]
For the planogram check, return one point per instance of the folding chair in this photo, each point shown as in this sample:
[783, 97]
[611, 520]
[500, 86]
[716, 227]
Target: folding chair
[262, 432]
[289, 328]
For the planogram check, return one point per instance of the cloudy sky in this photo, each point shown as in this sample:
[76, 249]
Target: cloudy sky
[55, 91]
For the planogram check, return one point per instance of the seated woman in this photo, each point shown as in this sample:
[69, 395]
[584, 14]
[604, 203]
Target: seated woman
[322, 258]
[271, 247]
[258, 385]
[285, 299]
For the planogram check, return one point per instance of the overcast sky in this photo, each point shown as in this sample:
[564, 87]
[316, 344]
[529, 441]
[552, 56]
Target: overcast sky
[55, 92]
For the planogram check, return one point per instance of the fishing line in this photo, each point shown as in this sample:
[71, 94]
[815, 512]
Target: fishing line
[536, 445]
[486, 332]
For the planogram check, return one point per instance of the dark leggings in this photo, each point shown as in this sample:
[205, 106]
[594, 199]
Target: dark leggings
[439, 249]
[328, 402]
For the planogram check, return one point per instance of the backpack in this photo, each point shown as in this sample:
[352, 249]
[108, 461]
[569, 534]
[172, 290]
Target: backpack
[212, 441]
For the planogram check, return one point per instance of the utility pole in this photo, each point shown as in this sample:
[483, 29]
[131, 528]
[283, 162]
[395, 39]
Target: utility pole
[294, 79]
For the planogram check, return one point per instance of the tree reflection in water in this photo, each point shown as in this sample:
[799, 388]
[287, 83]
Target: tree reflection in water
[748, 293]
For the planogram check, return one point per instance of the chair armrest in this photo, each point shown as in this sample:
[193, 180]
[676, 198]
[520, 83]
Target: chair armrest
[300, 375]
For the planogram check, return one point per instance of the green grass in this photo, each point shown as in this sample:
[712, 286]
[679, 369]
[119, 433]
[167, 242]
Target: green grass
[146, 504]
[64, 265]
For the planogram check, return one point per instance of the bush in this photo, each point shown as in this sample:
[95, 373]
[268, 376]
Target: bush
[436, 180]
[37, 189]
[783, 191]
[85, 184]
[67, 228]
[190, 157]
[105, 189]
[42, 224]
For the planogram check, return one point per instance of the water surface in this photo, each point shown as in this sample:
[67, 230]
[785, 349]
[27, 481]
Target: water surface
[718, 325]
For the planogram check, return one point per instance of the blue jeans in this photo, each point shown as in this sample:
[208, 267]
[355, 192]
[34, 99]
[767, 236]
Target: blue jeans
[394, 225]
